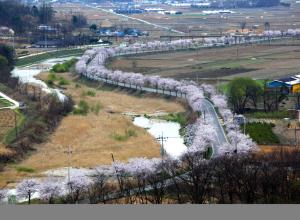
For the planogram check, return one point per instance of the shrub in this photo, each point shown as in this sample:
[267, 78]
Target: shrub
[82, 108]
[63, 67]
[24, 169]
[180, 118]
[147, 116]
[96, 109]
[63, 81]
[124, 137]
[51, 79]
[90, 93]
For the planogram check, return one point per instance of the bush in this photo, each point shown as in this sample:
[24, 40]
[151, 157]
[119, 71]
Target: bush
[63, 67]
[82, 108]
[96, 109]
[180, 118]
[24, 169]
[51, 79]
[128, 133]
[91, 93]
[262, 133]
[63, 81]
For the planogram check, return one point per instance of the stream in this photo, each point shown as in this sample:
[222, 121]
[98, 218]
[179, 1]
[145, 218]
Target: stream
[173, 143]
[27, 74]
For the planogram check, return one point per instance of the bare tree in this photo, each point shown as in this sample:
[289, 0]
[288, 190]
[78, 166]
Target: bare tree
[99, 188]
[267, 26]
[243, 25]
[77, 187]
[197, 177]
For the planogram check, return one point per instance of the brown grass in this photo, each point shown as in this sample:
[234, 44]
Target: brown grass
[260, 61]
[4, 150]
[266, 149]
[91, 136]
[6, 121]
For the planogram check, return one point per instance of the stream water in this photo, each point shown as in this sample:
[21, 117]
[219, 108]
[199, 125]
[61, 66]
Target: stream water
[174, 143]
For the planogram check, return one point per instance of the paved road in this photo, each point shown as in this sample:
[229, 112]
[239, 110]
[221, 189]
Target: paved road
[211, 117]
[14, 103]
[208, 110]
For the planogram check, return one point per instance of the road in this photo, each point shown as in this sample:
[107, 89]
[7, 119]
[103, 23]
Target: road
[137, 19]
[208, 110]
[14, 103]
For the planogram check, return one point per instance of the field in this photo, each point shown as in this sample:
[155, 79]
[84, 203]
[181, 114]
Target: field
[6, 121]
[47, 55]
[259, 62]
[194, 21]
[191, 22]
[262, 133]
[6, 124]
[266, 149]
[107, 128]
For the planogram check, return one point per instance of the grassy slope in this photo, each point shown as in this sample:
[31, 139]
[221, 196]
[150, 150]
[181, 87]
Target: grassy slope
[53, 54]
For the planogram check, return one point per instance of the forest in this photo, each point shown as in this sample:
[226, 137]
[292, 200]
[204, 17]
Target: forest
[22, 18]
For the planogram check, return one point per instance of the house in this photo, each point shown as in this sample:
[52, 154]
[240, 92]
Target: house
[292, 83]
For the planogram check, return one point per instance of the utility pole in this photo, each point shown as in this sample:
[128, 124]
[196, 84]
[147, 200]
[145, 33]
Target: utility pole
[119, 181]
[69, 152]
[162, 139]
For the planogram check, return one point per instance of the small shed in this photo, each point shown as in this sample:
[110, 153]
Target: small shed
[292, 83]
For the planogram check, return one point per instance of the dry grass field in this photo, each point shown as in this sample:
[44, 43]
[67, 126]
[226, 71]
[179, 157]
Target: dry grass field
[6, 123]
[192, 21]
[93, 137]
[265, 149]
[104, 19]
[260, 62]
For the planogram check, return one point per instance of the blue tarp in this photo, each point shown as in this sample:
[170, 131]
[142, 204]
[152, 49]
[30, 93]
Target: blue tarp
[277, 84]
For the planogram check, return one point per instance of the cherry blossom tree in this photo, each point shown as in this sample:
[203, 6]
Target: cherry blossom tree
[77, 187]
[3, 194]
[93, 61]
[100, 185]
[27, 188]
[49, 189]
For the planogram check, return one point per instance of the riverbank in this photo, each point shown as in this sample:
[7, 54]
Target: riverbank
[104, 130]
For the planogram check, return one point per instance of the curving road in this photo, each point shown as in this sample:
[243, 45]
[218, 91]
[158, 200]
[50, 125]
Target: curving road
[208, 111]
